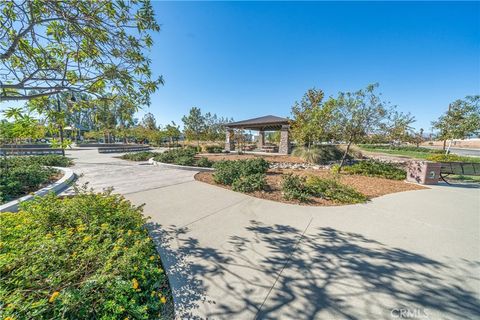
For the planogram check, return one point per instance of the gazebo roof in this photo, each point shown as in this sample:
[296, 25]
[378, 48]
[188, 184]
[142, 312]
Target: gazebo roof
[264, 123]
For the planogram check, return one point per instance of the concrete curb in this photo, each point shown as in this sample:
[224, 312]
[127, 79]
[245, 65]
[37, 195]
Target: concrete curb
[176, 166]
[57, 187]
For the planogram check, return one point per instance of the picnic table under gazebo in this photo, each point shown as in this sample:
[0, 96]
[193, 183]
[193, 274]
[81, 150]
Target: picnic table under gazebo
[261, 124]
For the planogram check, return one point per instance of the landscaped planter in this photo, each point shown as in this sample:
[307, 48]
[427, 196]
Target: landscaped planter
[57, 187]
[176, 166]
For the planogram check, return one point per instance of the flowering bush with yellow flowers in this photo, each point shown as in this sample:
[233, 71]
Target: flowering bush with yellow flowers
[84, 257]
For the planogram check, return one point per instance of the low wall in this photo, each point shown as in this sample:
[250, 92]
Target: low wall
[99, 145]
[25, 146]
[29, 151]
[122, 149]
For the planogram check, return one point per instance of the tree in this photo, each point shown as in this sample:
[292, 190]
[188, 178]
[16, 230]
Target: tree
[461, 119]
[55, 110]
[24, 126]
[172, 131]
[417, 137]
[359, 114]
[149, 121]
[194, 124]
[94, 47]
[214, 128]
[398, 128]
[304, 128]
[312, 118]
[6, 131]
[273, 137]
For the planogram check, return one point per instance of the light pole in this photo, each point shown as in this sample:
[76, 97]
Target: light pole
[60, 125]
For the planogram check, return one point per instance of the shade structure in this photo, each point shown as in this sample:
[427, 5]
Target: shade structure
[261, 124]
[265, 123]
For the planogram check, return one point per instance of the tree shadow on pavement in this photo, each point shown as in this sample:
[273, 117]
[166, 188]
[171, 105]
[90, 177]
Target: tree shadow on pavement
[323, 274]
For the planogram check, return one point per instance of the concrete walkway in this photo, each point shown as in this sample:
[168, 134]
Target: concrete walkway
[231, 256]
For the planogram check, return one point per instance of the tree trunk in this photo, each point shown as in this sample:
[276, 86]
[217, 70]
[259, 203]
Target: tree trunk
[444, 144]
[344, 156]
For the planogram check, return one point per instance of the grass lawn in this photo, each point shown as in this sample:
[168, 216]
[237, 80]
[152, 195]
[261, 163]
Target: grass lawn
[463, 178]
[412, 154]
[404, 153]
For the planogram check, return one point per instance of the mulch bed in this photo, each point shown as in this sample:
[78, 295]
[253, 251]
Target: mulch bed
[369, 186]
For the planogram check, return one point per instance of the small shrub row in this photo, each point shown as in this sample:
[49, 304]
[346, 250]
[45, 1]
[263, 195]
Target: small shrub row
[243, 175]
[373, 168]
[452, 158]
[249, 183]
[331, 189]
[227, 171]
[53, 160]
[213, 149]
[302, 189]
[399, 148]
[139, 156]
[183, 157]
[294, 187]
[20, 176]
[84, 257]
[324, 154]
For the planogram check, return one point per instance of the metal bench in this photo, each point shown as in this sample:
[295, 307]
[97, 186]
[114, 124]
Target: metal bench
[460, 168]
[122, 149]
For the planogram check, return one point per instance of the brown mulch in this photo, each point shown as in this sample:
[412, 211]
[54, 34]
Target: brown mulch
[269, 158]
[369, 186]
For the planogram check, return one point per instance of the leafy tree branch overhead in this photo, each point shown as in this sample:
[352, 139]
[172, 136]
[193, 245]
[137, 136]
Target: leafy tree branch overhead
[94, 47]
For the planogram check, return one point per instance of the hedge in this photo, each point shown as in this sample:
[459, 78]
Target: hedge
[85, 257]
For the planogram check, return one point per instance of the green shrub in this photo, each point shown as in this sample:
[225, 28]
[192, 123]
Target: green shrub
[85, 257]
[374, 168]
[250, 183]
[182, 157]
[184, 160]
[294, 187]
[171, 156]
[194, 149]
[203, 162]
[139, 156]
[333, 190]
[227, 171]
[253, 166]
[53, 160]
[451, 158]
[19, 176]
[323, 154]
[165, 157]
[213, 149]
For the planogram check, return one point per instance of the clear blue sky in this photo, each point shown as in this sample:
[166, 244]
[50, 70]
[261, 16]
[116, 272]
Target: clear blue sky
[248, 59]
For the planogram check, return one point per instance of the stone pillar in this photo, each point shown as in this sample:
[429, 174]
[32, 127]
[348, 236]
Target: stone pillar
[284, 147]
[261, 139]
[229, 145]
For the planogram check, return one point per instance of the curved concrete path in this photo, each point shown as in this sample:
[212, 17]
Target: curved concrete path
[230, 256]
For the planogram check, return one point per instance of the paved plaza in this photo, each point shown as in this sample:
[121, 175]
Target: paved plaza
[232, 256]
